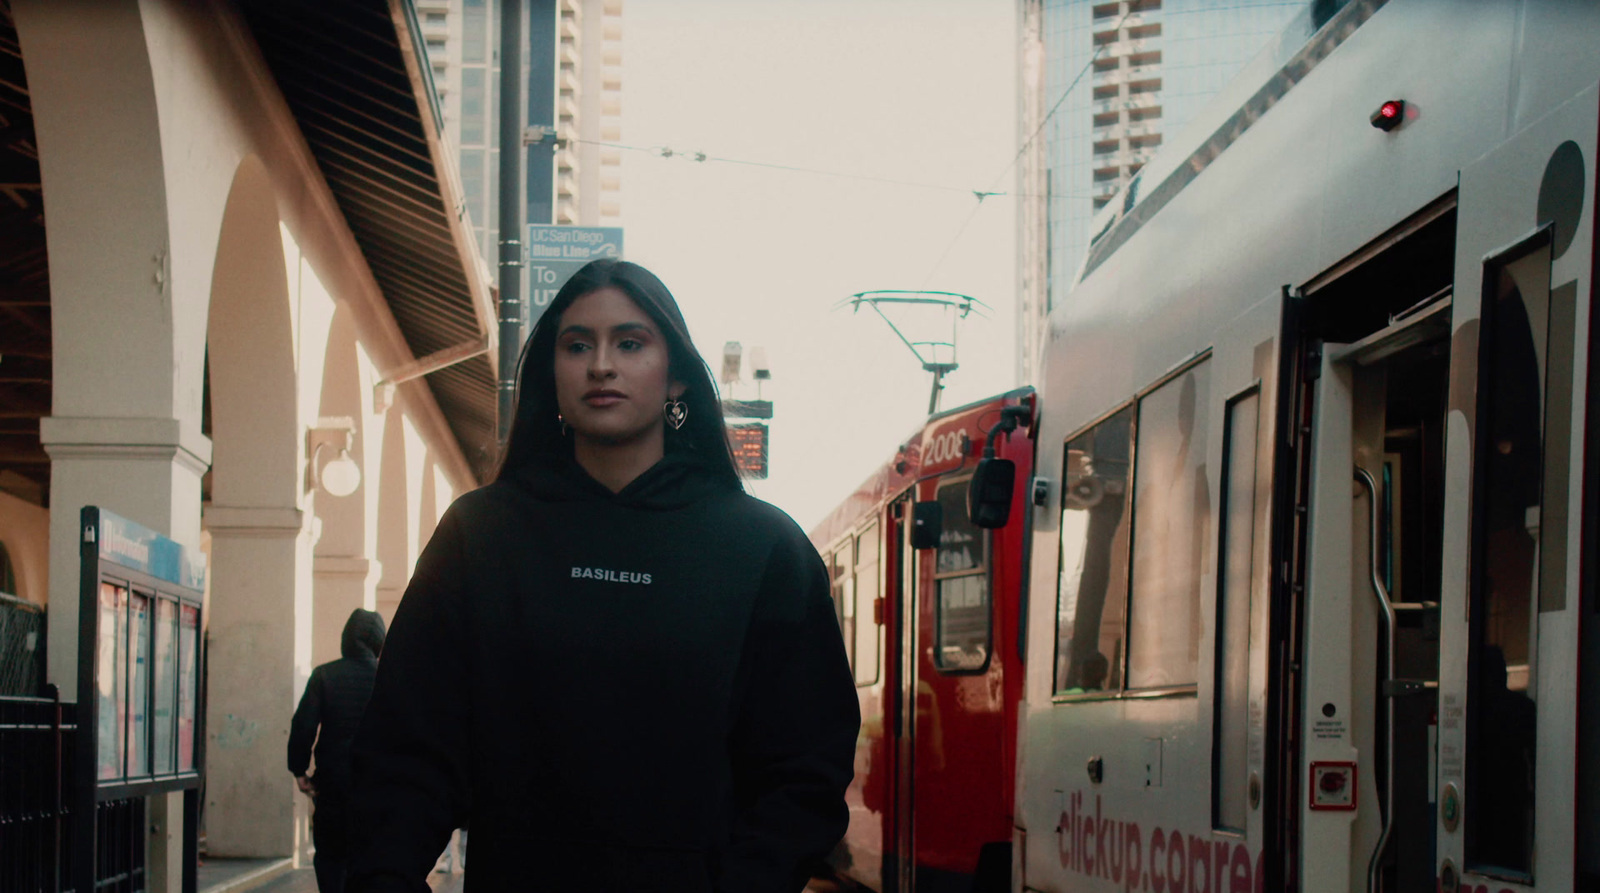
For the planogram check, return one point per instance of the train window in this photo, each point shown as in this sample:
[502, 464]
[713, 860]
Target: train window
[1171, 512]
[1091, 597]
[962, 619]
[1509, 584]
[1230, 729]
[866, 593]
[840, 567]
[8, 577]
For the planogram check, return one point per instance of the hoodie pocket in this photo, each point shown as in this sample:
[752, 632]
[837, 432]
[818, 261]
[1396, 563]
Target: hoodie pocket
[590, 866]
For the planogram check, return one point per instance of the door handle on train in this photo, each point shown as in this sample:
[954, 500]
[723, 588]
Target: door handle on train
[1386, 678]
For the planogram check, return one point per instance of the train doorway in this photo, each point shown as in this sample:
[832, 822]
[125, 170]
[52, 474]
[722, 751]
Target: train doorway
[898, 864]
[1375, 549]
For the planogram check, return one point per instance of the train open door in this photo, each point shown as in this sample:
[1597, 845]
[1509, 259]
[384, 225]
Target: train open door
[1511, 769]
[898, 867]
[1438, 743]
[1370, 661]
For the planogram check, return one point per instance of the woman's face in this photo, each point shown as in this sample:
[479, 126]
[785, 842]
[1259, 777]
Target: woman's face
[611, 369]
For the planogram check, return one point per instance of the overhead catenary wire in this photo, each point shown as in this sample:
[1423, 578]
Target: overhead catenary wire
[980, 195]
[705, 158]
[1021, 151]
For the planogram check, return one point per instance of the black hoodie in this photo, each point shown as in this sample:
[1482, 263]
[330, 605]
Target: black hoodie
[335, 696]
[630, 692]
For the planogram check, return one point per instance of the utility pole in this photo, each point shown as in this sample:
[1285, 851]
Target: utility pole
[513, 27]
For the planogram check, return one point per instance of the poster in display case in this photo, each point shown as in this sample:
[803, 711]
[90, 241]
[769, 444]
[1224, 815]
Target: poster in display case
[188, 691]
[111, 681]
[164, 697]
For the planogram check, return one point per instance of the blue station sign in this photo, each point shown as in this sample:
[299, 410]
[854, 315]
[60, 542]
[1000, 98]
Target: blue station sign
[557, 252]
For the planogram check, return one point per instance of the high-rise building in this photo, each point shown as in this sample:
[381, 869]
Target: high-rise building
[1103, 83]
[589, 114]
[576, 104]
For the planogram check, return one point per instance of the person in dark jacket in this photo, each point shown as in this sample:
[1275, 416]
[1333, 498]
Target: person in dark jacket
[329, 714]
[620, 668]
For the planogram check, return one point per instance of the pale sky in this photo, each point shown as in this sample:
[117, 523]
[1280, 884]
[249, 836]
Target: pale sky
[918, 90]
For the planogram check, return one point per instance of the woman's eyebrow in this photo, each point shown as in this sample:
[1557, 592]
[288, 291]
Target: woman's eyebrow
[588, 332]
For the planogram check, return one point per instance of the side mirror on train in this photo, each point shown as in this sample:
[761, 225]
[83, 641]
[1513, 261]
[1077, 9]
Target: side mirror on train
[989, 493]
[927, 523]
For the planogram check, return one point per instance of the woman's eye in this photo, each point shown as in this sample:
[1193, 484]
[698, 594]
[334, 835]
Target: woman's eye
[576, 347]
[630, 344]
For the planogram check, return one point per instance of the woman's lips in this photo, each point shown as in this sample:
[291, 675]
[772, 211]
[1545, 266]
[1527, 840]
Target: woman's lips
[604, 398]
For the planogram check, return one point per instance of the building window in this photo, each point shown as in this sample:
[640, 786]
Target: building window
[8, 574]
[1171, 510]
[474, 31]
[472, 185]
[962, 617]
[1091, 592]
[472, 107]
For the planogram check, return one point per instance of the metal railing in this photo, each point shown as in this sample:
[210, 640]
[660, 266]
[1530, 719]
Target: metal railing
[22, 644]
[36, 736]
[120, 846]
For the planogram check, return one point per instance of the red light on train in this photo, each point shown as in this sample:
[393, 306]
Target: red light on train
[1389, 115]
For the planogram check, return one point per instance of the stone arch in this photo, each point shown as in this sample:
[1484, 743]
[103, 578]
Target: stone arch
[251, 353]
[115, 434]
[346, 574]
[259, 647]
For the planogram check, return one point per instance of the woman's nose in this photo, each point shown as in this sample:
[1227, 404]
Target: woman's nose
[600, 363]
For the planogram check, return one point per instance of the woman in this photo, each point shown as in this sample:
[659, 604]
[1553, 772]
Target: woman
[623, 670]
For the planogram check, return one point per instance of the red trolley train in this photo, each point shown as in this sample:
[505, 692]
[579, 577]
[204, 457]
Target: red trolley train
[931, 610]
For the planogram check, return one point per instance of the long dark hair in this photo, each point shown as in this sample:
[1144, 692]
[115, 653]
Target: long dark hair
[535, 431]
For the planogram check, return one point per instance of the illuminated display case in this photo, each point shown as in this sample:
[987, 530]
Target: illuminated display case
[140, 658]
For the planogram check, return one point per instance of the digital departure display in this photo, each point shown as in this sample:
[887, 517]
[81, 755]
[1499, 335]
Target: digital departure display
[750, 449]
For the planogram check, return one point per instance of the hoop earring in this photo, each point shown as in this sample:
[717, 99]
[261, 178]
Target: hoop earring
[565, 428]
[676, 413]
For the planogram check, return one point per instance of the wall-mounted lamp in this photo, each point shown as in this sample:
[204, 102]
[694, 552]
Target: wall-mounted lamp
[341, 475]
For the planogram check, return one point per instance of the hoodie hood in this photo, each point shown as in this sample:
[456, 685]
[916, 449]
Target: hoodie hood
[363, 635]
[678, 480]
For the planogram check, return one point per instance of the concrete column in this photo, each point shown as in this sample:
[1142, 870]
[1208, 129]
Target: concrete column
[260, 657]
[146, 470]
